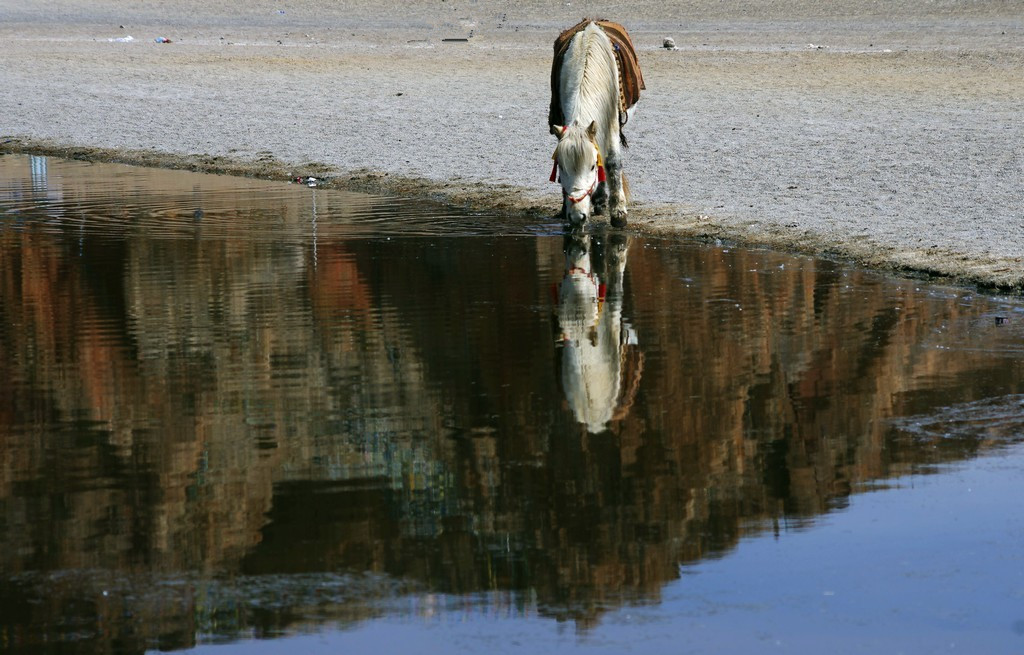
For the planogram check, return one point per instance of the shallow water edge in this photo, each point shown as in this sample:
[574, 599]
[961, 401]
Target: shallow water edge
[992, 273]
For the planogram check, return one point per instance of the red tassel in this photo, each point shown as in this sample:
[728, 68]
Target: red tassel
[554, 172]
[600, 173]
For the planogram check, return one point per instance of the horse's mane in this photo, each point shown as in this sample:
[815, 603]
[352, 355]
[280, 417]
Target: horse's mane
[574, 150]
[589, 80]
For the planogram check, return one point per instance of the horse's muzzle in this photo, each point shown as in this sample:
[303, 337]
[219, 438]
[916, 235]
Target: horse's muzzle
[578, 212]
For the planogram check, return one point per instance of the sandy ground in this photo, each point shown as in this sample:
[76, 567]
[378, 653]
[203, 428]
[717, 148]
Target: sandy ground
[885, 132]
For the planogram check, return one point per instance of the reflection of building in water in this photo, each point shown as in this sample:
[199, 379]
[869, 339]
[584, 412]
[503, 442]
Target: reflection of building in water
[39, 178]
[600, 360]
[36, 190]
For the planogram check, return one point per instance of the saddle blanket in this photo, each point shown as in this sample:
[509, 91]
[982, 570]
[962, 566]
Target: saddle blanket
[631, 79]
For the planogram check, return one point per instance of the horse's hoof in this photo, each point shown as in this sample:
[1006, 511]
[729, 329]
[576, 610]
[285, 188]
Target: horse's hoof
[618, 219]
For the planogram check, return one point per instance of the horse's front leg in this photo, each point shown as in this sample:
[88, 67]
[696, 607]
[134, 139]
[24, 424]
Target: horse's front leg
[600, 198]
[616, 194]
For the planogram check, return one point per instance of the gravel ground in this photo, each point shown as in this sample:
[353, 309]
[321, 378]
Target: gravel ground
[887, 133]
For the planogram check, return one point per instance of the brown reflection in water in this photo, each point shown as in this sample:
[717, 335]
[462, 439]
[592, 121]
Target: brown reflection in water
[235, 405]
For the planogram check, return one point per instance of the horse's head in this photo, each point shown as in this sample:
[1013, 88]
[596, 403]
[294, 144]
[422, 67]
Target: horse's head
[580, 169]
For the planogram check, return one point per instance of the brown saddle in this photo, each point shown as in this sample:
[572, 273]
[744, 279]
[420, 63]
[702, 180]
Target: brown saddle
[631, 79]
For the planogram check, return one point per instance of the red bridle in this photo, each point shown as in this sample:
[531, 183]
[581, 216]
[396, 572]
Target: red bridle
[575, 199]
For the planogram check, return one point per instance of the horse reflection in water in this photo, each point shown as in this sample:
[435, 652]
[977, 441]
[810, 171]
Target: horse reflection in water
[601, 362]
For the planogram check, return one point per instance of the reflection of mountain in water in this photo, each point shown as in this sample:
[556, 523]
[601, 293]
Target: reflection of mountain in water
[186, 410]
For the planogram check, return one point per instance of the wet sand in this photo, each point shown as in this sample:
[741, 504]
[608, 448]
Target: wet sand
[890, 135]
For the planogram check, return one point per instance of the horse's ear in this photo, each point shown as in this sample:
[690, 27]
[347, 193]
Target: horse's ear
[592, 129]
[558, 131]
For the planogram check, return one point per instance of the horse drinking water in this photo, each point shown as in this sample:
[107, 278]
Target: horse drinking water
[595, 81]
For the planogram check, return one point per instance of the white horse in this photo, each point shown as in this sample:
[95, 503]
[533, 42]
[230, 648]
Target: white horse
[588, 157]
[601, 361]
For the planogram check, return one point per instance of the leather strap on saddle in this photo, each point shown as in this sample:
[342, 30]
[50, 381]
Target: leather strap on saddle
[631, 79]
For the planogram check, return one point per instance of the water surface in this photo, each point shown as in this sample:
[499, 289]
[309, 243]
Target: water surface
[260, 417]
